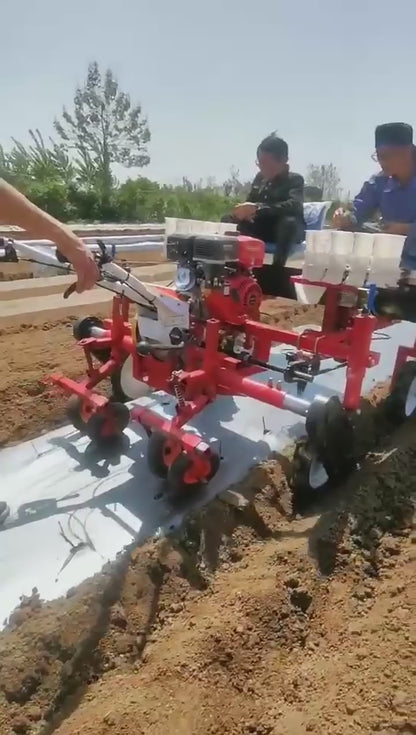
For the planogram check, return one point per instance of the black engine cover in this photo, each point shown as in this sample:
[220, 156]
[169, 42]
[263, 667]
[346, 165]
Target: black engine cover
[202, 248]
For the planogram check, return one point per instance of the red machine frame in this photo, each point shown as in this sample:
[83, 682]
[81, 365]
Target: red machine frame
[404, 354]
[345, 336]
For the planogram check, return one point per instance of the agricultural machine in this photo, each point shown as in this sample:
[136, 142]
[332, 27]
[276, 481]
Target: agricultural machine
[203, 338]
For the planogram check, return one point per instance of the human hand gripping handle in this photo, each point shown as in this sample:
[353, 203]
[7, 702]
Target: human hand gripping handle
[85, 267]
[17, 210]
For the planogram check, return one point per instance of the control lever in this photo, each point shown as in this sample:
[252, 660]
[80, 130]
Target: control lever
[10, 255]
[102, 259]
[105, 256]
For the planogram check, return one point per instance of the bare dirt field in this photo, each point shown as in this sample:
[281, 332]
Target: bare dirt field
[249, 621]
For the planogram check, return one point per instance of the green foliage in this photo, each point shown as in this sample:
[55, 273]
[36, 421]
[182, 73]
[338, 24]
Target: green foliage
[142, 200]
[54, 184]
[43, 174]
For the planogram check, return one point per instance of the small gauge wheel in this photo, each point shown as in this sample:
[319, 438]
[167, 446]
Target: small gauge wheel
[159, 452]
[75, 414]
[108, 424]
[182, 478]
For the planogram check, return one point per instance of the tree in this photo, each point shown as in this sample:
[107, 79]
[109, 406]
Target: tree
[325, 178]
[104, 128]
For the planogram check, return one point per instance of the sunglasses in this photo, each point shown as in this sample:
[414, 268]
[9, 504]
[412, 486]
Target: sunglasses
[389, 153]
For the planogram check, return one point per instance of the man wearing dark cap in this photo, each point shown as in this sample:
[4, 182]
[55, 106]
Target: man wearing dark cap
[392, 192]
[274, 209]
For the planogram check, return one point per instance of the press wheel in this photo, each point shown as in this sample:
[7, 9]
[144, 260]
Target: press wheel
[182, 479]
[401, 403]
[309, 476]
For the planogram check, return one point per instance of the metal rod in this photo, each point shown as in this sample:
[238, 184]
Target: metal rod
[283, 371]
[236, 384]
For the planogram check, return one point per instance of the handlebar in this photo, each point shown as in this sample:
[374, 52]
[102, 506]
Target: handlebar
[15, 250]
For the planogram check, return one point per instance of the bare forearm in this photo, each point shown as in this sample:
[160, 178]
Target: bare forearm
[16, 209]
[397, 228]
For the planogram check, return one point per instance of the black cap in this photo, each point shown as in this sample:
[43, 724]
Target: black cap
[277, 147]
[393, 134]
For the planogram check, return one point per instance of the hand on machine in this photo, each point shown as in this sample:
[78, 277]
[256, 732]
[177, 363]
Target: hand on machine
[203, 339]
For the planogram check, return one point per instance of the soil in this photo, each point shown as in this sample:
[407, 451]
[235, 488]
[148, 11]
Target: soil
[248, 621]
[14, 276]
[28, 354]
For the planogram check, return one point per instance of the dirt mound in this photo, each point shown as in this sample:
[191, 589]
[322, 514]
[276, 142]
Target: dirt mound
[273, 645]
[247, 622]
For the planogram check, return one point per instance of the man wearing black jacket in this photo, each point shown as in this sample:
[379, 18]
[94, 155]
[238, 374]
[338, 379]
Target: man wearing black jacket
[274, 210]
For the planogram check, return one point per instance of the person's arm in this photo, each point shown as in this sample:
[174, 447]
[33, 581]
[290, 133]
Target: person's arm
[15, 209]
[366, 202]
[290, 207]
[399, 228]
[364, 205]
[246, 211]
[408, 256]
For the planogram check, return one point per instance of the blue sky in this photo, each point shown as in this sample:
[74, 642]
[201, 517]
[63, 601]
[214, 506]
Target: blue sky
[215, 77]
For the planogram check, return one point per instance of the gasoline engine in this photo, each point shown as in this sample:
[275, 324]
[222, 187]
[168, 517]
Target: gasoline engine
[215, 272]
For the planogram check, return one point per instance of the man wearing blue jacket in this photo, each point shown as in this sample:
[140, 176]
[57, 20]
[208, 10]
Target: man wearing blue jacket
[390, 193]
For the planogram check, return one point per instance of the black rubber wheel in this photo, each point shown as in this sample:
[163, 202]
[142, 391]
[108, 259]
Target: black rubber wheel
[81, 329]
[305, 475]
[120, 417]
[332, 435]
[157, 450]
[73, 412]
[118, 393]
[215, 465]
[178, 487]
[329, 427]
[399, 405]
